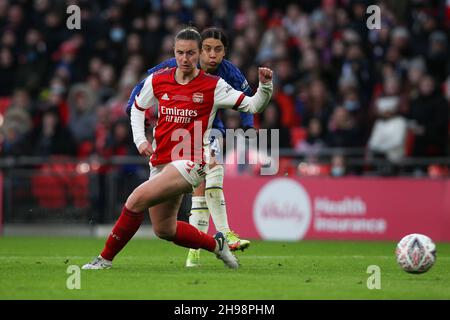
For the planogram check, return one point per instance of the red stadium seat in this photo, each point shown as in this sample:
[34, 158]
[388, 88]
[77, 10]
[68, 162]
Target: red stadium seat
[48, 188]
[298, 134]
[59, 185]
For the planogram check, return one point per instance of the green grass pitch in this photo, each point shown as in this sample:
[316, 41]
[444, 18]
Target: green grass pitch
[36, 268]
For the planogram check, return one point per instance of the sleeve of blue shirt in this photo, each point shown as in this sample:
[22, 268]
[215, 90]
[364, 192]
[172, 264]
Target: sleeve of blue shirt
[246, 118]
[166, 64]
[237, 81]
[170, 63]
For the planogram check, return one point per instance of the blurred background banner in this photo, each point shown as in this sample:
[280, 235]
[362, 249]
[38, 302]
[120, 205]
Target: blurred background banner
[344, 209]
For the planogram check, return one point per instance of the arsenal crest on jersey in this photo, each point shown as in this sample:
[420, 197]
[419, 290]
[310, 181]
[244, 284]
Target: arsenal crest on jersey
[197, 97]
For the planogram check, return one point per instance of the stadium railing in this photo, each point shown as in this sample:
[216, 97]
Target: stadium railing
[92, 190]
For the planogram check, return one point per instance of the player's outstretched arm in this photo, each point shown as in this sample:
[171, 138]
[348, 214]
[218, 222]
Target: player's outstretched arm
[227, 97]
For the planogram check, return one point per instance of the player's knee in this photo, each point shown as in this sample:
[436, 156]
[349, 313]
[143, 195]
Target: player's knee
[164, 233]
[137, 201]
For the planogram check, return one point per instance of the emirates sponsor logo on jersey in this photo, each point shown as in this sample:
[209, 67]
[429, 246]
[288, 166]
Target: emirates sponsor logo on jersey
[178, 112]
[197, 97]
[178, 115]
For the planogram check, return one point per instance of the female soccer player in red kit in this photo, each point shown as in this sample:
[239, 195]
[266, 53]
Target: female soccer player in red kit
[187, 99]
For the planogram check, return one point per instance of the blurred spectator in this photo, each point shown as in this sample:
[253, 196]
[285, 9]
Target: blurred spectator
[343, 130]
[437, 57]
[314, 141]
[7, 74]
[82, 117]
[296, 22]
[338, 166]
[152, 37]
[400, 39]
[57, 98]
[355, 64]
[16, 126]
[52, 138]
[32, 62]
[388, 136]
[270, 121]
[116, 103]
[102, 129]
[429, 115]
[416, 71]
[318, 104]
[119, 142]
[66, 57]
[107, 77]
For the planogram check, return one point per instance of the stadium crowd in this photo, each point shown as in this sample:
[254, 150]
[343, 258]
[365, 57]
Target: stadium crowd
[338, 84]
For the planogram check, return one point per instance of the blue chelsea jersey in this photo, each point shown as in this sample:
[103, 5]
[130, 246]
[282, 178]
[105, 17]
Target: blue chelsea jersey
[226, 70]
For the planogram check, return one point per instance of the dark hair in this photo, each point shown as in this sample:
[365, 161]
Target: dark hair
[215, 33]
[189, 33]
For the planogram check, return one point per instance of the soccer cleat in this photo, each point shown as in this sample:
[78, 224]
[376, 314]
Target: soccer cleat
[223, 253]
[193, 258]
[235, 243]
[98, 263]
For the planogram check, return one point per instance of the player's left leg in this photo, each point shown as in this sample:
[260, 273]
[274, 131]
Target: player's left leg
[215, 200]
[199, 218]
[209, 199]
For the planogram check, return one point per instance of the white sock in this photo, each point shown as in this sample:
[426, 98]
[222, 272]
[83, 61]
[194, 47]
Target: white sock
[199, 217]
[216, 199]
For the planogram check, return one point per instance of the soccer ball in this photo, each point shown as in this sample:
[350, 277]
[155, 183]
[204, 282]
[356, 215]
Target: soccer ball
[416, 253]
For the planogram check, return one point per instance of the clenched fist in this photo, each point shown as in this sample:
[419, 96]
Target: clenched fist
[145, 149]
[265, 75]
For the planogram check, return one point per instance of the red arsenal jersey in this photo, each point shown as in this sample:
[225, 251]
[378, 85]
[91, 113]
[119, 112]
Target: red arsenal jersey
[185, 112]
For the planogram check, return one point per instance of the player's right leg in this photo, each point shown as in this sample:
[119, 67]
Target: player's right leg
[199, 218]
